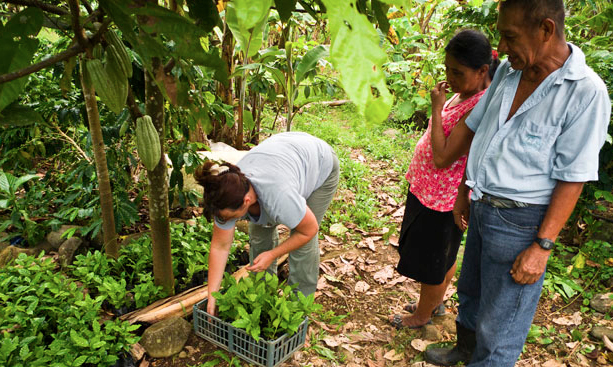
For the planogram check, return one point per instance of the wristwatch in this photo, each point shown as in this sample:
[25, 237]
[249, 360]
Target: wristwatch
[545, 243]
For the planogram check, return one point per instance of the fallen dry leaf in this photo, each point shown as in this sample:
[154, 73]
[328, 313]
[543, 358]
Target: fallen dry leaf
[361, 286]
[368, 242]
[332, 240]
[553, 363]
[384, 274]
[574, 319]
[607, 343]
[393, 240]
[393, 356]
[419, 344]
[335, 341]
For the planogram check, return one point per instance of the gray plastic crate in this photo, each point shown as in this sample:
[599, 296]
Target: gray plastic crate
[265, 353]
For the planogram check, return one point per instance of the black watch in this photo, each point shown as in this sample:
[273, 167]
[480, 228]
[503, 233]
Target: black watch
[545, 243]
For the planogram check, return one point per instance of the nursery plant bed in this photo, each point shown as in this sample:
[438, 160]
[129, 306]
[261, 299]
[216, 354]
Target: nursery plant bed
[265, 353]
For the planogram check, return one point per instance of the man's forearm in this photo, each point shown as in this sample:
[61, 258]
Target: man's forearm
[563, 201]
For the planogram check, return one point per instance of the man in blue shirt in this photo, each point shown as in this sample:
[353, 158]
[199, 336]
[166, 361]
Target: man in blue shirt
[538, 132]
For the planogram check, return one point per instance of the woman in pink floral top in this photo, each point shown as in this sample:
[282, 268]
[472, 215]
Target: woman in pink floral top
[429, 239]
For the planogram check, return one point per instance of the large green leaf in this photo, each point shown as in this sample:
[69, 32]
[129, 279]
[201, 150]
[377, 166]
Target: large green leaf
[17, 49]
[23, 24]
[171, 25]
[247, 19]
[15, 56]
[285, 8]
[309, 61]
[16, 115]
[205, 13]
[356, 54]
[5, 186]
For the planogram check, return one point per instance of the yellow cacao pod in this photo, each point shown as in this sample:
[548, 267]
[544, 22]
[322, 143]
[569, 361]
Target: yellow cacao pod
[113, 40]
[147, 142]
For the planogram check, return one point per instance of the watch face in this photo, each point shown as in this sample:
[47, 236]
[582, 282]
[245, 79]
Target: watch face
[545, 243]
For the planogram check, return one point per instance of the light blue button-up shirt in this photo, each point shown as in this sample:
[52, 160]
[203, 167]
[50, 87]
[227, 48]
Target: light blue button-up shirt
[555, 135]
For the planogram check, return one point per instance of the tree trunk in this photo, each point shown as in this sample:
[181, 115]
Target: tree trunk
[221, 131]
[109, 234]
[158, 187]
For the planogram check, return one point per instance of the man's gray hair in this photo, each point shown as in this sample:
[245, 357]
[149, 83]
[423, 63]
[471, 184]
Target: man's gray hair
[535, 11]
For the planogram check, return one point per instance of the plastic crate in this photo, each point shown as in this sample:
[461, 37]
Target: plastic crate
[266, 353]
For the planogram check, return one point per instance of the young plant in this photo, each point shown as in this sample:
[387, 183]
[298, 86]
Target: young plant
[263, 306]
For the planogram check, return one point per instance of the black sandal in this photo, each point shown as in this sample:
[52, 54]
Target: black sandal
[438, 310]
[397, 323]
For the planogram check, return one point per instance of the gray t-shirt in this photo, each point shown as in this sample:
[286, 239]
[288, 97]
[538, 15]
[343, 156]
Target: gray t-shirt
[284, 170]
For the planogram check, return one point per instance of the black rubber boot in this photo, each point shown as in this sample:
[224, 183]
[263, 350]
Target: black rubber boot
[461, 352]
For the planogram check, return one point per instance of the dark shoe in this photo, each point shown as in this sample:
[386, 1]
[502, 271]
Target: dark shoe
[461, 352]
[438, 310]
[397, 323]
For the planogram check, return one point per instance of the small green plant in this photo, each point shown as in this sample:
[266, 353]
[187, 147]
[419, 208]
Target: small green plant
[19, 217]
[48, 320]
[263, 306]
[220, 356]
[541, 335]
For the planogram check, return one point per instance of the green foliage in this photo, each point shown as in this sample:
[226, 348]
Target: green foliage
[19, 218]
[127, 282]
[247, 19]
[541, 335]
[262, 306]
[353, 39]
[18, 48]
[47, 320]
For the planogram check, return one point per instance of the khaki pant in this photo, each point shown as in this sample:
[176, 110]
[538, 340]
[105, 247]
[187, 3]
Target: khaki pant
[304, 261]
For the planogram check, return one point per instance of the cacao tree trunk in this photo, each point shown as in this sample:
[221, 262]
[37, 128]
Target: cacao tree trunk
[158, 187]
[221, 131]
[109, 234]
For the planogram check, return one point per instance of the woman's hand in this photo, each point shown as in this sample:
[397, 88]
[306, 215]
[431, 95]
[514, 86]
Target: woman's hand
[211, 307]
[262, 262]
[438, 96]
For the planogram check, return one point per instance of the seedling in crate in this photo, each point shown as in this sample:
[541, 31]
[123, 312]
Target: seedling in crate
[262, 306]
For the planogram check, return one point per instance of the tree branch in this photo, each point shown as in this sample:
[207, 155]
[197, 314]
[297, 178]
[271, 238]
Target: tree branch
[64, 55]
[76, 25]
[71, 142]
[39, 4]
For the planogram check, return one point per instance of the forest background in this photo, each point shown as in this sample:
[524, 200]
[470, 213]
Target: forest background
[233, 72]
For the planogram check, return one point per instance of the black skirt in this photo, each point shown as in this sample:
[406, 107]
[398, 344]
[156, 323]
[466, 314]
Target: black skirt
[429, 242]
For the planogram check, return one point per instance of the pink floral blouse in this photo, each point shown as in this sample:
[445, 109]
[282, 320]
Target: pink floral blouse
[437, 188]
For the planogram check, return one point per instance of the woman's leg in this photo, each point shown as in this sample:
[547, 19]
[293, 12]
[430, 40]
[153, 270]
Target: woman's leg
[430, 297]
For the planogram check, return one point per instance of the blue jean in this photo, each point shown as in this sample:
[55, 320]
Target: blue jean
[491, 303]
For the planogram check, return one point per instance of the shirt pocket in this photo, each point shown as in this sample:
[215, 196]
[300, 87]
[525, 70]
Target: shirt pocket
[535, 142]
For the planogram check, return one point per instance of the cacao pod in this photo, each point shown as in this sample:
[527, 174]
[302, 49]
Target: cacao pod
[112, 57]
[113, 40]
[110, 85]
[98, 52]
[118, 82]
[147, 142]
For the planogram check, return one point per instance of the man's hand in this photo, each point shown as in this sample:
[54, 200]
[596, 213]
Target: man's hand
[461, 210]
[530, 264]
[262, 262]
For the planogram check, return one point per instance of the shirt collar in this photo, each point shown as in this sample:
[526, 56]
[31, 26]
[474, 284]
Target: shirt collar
[574, 67]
